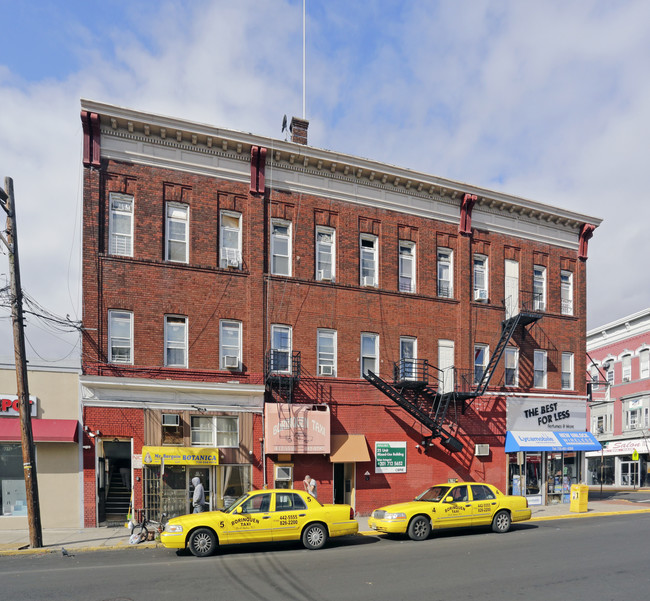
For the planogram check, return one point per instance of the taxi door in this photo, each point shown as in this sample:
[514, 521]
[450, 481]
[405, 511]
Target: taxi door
[458, 512]
[250, 522]
[484, 504]
[290, 515]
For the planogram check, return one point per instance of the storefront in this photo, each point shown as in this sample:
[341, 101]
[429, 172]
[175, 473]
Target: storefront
[621, 463]
[545, 445]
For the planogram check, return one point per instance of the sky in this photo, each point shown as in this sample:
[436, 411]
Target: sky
[548, 100]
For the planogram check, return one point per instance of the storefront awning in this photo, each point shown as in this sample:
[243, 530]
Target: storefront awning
[348, 448]
[519, 440]
[623, 447]
[43, 430]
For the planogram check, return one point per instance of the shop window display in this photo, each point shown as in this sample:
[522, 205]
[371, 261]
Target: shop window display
[13, 497]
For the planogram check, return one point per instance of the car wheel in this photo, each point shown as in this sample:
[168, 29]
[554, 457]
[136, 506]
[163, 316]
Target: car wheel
[203, 542]
[419, 528]
[501, 522]
[314, 536]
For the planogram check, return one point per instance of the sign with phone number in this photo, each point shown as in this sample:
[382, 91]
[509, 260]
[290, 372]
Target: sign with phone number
[390, 457]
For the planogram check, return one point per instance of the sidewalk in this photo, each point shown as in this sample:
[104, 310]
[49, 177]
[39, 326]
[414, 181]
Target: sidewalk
[16, 542]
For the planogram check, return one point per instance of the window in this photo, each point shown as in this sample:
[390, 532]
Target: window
[636, 414]
[446, 365]
[326, 350]
[406, 266]
[230, 344]
[445, 271]
[281, 348]
[567, 371]
[172, 429]
[539, 361]
[369, 353]
[368, 260]
[627, 368]
[408, 348]
[480, 492]
[481, 352]
[610, 374]
[12, 480]
[175, 341]
[120, 225]
[230, 236]
[539, 288]
[601, 424]
[566, 292]
[280, 248]
[480, 278]
[289, 501]
[512, 366]
[644, 363]
[325, 254]
[178, 217]
[120, 337]
[210, 431]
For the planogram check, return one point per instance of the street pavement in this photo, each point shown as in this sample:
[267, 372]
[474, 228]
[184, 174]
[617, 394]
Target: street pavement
[71, 540]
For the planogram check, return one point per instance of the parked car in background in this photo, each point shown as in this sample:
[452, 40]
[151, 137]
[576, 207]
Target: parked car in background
[451, 506]
[261, 516]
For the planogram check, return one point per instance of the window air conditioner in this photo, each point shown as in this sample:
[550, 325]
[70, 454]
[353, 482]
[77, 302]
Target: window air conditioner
[480, 294]
[322, 275]
[368, 280]
[481, 450]
[231, 361]
[170, 419]
[284, 472]
[326, 370]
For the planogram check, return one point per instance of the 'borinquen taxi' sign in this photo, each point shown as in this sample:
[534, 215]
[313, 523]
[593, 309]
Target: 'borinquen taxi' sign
[180, 455]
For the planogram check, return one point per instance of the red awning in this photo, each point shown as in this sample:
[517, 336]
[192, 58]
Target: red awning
[43, 430]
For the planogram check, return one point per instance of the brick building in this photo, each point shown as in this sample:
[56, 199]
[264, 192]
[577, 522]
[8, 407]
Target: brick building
[618, 361]
[299, 311]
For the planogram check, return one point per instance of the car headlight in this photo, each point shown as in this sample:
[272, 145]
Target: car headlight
[173, 528]
[394, 516]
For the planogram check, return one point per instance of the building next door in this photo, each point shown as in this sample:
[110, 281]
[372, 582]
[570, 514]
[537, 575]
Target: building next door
[344, 483]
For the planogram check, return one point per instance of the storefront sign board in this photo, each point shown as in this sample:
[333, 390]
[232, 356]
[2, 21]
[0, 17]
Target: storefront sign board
[180, 455]
[10, 405]
[544, 414]
[296, 428]
[390, 457]
[623, 447]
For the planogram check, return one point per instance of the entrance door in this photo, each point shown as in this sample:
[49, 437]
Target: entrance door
[344, 483]
[511, 288]
[113, 480]
[629, 473]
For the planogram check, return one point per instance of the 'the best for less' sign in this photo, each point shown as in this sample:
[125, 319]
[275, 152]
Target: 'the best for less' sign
[390, 457]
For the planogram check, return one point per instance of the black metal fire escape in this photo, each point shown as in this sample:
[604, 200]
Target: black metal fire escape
[282, 372]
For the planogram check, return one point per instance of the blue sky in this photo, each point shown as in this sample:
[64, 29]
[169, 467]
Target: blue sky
[549, 101]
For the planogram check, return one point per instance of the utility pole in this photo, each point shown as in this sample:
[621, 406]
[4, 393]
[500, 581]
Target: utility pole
[26, 435]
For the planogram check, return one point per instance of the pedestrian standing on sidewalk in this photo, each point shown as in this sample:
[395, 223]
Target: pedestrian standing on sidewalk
[306, 482]
[312, 490]
[198, 499]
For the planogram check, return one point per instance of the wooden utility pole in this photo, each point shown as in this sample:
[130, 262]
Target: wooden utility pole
[26, 436]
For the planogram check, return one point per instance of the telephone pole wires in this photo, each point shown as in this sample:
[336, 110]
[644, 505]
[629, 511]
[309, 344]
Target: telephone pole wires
[7, 203]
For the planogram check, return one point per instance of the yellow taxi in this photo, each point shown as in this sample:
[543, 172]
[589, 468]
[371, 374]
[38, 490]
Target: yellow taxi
[261, 516]
[451, 506]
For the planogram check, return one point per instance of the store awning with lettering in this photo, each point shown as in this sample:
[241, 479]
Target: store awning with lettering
[623, 447]
[43, 430]
[348, 448]
[519, 440]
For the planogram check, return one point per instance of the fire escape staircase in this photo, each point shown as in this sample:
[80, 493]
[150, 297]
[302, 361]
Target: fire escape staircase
[282, 373]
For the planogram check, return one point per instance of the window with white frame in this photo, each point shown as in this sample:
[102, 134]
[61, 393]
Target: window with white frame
[230, 340]
[230, 249]
[636, 414]
[120, 225]
[539, 369]
[539, 288]
[644, 363]
[511, 366]
[408, 350]
[406, 266]
[175, 341]
[567, 371]
[601, 422]
[566, 292]
[214, 431]
[280, 247]
[368, 259]
[445, 273]
[178, 219]
[480, 278]
[626, 367]
[325, 253]
[326, 352]
[120, 337]
[369, 353]
[281, 348]
[481, 352]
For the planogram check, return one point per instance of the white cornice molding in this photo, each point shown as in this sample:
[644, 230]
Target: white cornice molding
[619, 330]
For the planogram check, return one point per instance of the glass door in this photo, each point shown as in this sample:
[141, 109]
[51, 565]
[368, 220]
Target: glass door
[629, 473]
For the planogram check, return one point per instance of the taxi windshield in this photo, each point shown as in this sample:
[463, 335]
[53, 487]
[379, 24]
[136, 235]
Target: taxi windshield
[433, 494]
[235, 503]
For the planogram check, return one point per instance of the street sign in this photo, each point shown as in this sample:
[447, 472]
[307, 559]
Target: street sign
[635, 455]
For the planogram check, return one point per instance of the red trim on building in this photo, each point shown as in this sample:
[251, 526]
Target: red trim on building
[586, 233]
[258, 165]
[465, 226]
[43, 430]
[91, 139]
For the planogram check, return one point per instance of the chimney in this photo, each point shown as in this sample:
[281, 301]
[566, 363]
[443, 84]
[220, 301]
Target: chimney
[298, 129]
